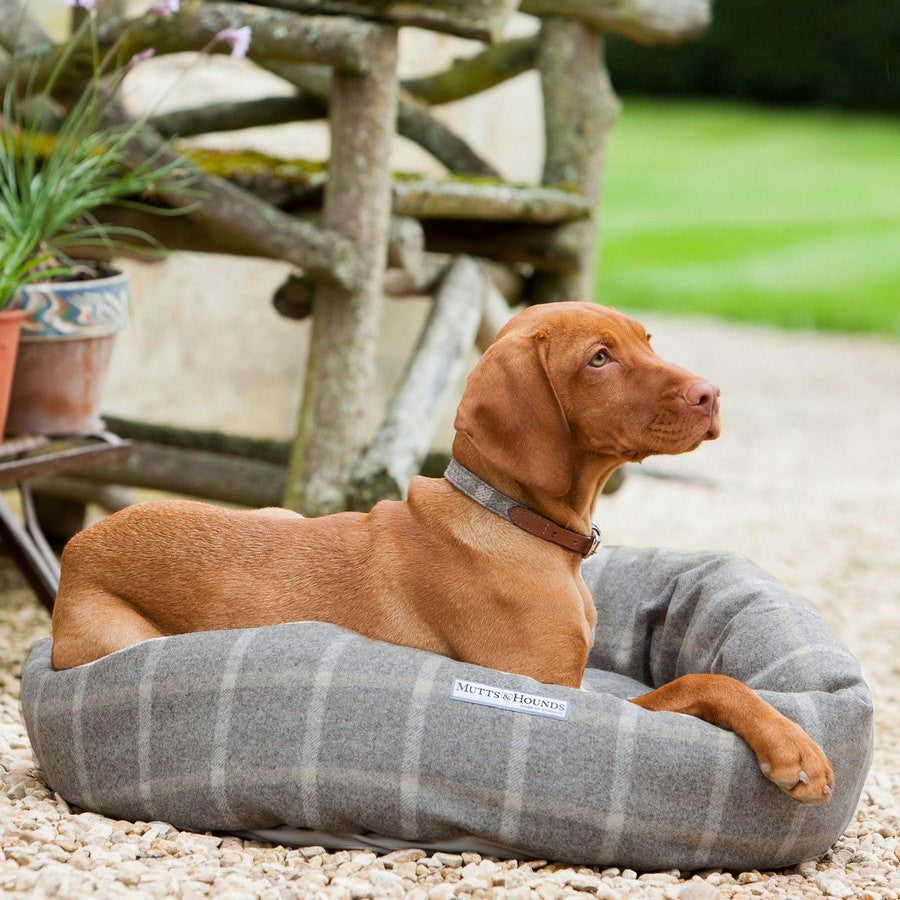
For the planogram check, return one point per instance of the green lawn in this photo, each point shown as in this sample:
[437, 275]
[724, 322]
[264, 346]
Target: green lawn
[787, 217]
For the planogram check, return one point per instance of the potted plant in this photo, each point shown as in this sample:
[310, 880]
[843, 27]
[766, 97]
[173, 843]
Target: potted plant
[51, 188]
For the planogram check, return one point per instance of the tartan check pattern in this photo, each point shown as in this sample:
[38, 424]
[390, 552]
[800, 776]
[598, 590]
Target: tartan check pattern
[310, 726]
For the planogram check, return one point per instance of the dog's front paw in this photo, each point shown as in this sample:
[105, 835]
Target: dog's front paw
[788, 756]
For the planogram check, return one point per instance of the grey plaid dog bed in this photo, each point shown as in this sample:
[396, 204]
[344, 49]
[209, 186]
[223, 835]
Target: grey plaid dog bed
[294, 730]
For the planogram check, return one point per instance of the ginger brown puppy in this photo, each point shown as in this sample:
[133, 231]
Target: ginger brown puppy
[566, 394]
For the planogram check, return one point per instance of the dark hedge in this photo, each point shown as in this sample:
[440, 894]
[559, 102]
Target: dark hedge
[839, 53]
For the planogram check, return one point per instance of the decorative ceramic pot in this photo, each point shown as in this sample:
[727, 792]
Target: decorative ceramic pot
[66, 344]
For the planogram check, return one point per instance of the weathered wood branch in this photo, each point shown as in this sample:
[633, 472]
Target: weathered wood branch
[261, 449]
[197, 473]
[648, 22]
[342, 42]
[406, 244]
[341, 361]
[486, 200]
[462, 79]
[547, 248]
[477, 73]
[235, 116]
[405, 254]
[496, 314]
[295, 184]
[400, 283]
[505, 278]
[578, 115]
[400, 445]
[174, 466]
[482, 20]
[414, 120]
[506, 284]
[269, 450]
[263, 229]
[208, 464]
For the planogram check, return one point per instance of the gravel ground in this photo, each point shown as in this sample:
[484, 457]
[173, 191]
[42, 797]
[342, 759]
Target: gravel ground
[804, 482]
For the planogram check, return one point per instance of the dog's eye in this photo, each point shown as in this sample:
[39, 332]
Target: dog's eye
[600, 358]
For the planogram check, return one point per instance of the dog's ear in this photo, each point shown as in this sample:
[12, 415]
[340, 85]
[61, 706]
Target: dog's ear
[512, 414]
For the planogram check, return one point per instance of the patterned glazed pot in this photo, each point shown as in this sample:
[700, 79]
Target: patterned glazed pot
[66, 344]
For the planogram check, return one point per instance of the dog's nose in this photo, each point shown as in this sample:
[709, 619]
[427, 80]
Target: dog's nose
[703, 394]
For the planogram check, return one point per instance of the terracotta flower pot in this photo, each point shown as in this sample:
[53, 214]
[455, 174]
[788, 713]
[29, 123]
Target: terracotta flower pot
[66, 344]
[10, 327]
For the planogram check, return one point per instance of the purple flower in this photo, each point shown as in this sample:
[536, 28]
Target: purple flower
[149, 53]
[236, 38]
[165, 7]
[81, 4]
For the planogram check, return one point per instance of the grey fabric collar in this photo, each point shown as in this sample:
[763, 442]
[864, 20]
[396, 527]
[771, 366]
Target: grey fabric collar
[515, 513]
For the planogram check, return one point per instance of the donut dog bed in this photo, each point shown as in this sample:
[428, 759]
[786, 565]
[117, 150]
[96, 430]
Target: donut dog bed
[309, 733]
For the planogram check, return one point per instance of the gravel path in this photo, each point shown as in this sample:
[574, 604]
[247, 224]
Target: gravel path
[804, 482]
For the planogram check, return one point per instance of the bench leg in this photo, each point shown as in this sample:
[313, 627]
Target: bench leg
[331, 430]
[25, 542]
[578, 115]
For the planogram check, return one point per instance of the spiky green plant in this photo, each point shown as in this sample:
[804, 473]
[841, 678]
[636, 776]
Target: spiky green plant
[51, 186]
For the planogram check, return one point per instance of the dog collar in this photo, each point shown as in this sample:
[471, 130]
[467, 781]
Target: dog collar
[521, 516]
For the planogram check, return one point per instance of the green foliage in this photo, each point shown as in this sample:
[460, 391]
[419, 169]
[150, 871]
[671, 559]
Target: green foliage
[813, 52]
[781, 217]
[50, 190]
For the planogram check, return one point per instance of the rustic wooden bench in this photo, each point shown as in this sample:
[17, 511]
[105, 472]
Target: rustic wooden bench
[342, 224]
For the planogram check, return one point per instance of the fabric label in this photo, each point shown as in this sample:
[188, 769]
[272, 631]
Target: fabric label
[506, 698]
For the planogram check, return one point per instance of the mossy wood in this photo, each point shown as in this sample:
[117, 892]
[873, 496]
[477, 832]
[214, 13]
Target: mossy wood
[473, 74]
[296, 183]
[482, 20]
[547, 248]
[261, 227]
[649, 22]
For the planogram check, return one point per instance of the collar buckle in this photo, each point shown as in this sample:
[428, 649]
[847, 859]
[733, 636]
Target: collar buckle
[596, 541]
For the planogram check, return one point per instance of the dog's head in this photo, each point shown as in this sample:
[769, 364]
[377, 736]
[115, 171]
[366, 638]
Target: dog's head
[566, 379]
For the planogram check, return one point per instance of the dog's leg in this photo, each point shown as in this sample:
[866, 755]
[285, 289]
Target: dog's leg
[786, 753]
[86, 627]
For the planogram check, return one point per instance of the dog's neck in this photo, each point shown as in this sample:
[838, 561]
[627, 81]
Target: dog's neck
[572, 510]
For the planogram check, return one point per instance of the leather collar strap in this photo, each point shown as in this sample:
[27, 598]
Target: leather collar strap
[521, 516]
